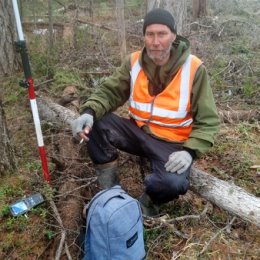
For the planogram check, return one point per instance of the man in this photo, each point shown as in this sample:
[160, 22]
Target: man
[173, 117]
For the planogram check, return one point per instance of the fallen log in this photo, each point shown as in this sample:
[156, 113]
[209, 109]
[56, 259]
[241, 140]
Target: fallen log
[225, 195]
[239, 115]
[55, 113]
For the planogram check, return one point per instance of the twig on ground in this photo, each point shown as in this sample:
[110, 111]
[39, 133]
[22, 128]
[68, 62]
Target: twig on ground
[45, 249]
[165, 218]
[153, 245]
[44, 82]
[205, 248]
[63, 234]
[61, 245]
[165, 221]
[68, 252]
[162, 221]
[198, 217]
[78, 188]
[246, 250]
[224, 69]
[220, 32]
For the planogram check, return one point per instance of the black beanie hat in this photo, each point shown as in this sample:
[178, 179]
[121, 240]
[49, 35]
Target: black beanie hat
[159, 16]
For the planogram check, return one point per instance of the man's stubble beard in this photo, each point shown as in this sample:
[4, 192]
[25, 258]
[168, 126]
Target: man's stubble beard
[164, 55]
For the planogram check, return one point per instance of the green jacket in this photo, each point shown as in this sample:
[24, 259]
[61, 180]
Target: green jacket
[115, 91]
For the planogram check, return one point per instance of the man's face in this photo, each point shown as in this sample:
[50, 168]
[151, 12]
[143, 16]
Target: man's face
[158, 40]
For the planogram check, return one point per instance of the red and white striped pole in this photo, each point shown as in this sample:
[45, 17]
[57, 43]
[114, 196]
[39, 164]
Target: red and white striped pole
[21, 45]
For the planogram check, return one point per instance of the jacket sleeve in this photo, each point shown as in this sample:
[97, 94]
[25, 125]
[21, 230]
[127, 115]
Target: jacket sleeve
[114, 92]
[205, 117]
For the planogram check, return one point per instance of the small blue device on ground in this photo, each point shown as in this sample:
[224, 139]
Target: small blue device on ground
[22, 206]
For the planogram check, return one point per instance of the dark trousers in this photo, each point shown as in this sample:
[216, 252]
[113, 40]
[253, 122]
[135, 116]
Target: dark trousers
[113, 132]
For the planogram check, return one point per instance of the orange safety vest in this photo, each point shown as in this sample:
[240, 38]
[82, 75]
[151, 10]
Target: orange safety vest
[168, 114]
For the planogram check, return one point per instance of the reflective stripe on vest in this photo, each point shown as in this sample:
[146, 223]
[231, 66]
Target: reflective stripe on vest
[170, 109]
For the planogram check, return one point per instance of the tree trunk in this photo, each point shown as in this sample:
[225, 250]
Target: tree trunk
[151, 4]
[8, 58]
[91, 14]
[199, 8]
[75, 25]
[50, 27]
[7, 158]
[121, 27]
[179, 11]
[225, 195]
[33, 12]
[8, 63]
[177, 8]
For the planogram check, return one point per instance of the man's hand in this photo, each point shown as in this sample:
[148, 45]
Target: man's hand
[82, 126]
[178, 162]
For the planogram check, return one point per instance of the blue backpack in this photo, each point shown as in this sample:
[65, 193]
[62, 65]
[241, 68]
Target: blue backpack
[114, 228]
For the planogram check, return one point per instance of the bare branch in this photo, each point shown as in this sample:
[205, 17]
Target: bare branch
[205, 248]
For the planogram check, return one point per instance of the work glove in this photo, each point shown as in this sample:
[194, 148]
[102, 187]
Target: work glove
[82, 124]
[178, 162]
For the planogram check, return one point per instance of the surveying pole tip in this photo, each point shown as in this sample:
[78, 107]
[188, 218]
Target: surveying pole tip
[18, 20]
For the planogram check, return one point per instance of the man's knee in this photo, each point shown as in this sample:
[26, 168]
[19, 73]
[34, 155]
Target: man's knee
[166, 187]
[99, 145]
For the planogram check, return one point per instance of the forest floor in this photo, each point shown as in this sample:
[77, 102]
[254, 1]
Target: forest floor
[230, 48]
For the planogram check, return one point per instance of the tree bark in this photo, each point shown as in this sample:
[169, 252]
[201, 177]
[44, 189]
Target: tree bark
[221, 193]
[199, 8]
[50, 26]
[7, 158]
[177, 8]
[8, 63]
[121, 25]
[151, 4]
[179, 12]
[75, 25]
[55, 113]
[8, 58]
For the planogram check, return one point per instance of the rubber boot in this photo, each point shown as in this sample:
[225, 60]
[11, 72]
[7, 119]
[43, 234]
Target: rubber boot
[107, 178]
[107, 174]
[149, 209]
